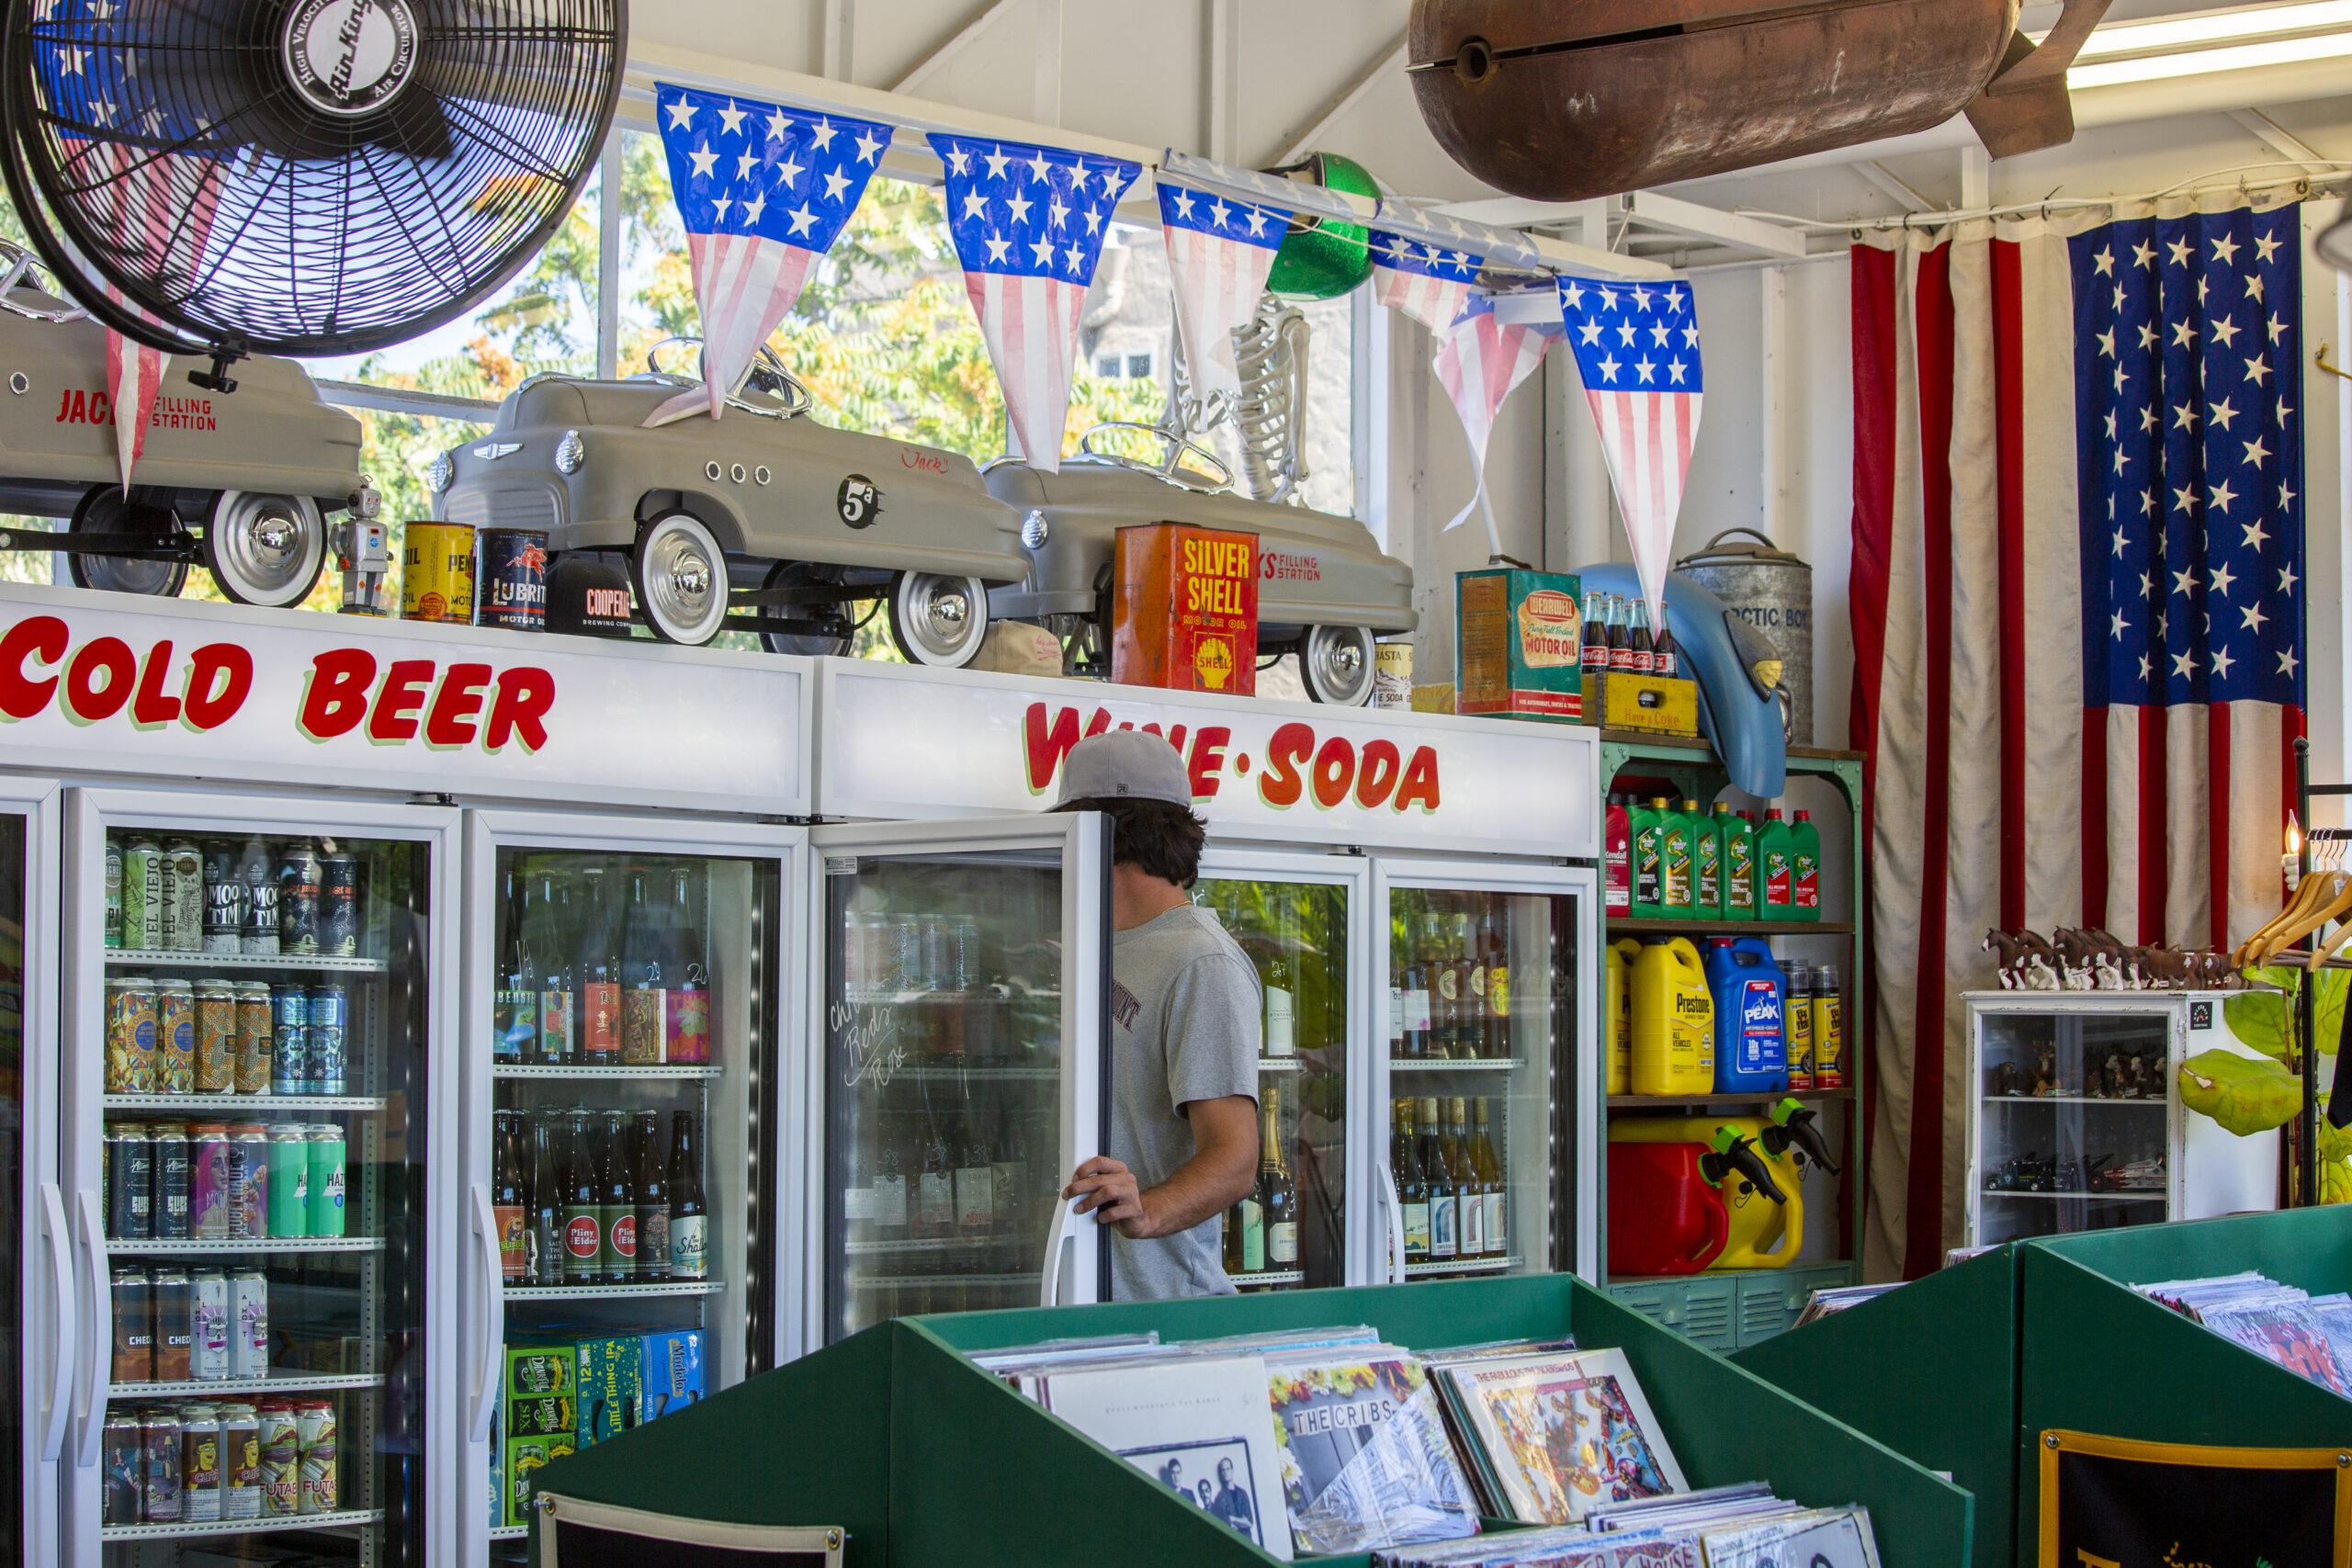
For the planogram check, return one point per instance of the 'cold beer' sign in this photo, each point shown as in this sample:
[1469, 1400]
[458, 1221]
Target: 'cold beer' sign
[897, 742]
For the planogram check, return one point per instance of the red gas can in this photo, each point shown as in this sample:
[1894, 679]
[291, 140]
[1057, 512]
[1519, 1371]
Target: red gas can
[1663, 1216]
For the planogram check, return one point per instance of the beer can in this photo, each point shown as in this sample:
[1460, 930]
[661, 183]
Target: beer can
[207, 1181]
[216, 1036]
[290, 1179]
[184, 897]
[253, 1037]
[224, 899]
[323, 1061]
[114, 894]
[174, 1311]
[289, 1018]
[248, 1181]
[208, 1355]
[249, 1323]
[199, 1462]
[323, 1206]
[338, 906]
[170, 1163]
[124, 1457]
[131, 1294]
[514, 579]
[131, 1181]
[143, 895]
[130, 1035]
[159, 1431]
[259, 933]
[174, 1037]
[298, 900]
[314, 1435]
[438, 574]
[239, 1461]
[281, 1459]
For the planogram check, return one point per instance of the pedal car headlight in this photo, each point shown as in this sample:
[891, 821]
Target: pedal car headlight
[570, 452]
[1033, 531]
[439, 475]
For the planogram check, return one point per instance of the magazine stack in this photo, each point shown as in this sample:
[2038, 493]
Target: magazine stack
[2310, 1336]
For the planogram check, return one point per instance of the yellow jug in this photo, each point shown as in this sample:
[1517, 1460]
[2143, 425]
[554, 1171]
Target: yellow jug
[1673, 1049]
[1619, 1000]
[1756, 1223]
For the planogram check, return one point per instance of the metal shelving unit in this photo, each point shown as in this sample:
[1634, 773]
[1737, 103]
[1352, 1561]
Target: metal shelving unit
[681, 1072]
[1465, 1266]
[304, 962]
[242, 1102]
[244, 1247]
[632, 1292]
[184, 1530]
[1454, 1064]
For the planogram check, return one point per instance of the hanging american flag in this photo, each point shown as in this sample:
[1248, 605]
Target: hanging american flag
[1029, 224]
[1637, 349]
[2077, 596]
[1219, 251]
[1480, 364]
[764, 192]
[1429, 283]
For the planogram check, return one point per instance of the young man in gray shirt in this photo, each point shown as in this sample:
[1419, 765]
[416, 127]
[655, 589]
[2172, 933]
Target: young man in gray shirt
[1181, 1147]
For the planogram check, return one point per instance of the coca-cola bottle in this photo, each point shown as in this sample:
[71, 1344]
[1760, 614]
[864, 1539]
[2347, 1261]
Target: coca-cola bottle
[1621, 637]
[1643, 647]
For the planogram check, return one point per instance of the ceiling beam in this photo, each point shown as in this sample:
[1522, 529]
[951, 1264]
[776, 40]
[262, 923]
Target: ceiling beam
[1297, 143]
[1888, 183]
[2277, 137]
[966, 33]
[1651, 210]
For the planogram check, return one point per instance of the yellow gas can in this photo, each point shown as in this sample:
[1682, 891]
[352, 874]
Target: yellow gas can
[1673, 1049]
[1619, 1000]
[1764, 1235]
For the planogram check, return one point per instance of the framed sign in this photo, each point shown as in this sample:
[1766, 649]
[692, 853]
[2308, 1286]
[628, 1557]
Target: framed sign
[577, 1534]
[2116, 1503]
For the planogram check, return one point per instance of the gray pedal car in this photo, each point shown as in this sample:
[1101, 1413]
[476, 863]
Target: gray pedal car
[241, 481]
[1325, 590]
[765, 512]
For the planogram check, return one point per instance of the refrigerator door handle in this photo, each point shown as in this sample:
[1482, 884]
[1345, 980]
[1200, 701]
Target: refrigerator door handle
[60, 1399]
[1057, 1241]
[90, 1389]
[1393, 1208]
[487, 1301]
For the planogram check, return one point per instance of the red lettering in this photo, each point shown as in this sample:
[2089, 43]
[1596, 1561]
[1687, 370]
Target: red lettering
[1419, 783]
[220, 675]
[1378, 774]
[523, 697]
[393, 717]
[1285, 748]
[88, 701]
[151, 706]
[35, 636]
[456, 705]
[1100, 722]
[81, 411]
[1208, 759]
[1046, 746]
[1335, 769]
[101, 409]
[64, 405]
[334, 695]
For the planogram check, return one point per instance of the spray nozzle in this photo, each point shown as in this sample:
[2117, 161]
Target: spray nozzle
[1794, 1123]
[1733, 1153]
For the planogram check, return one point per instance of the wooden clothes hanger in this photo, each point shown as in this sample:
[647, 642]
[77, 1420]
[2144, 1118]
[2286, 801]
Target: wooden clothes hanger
[2310, 893]
[2332, 902]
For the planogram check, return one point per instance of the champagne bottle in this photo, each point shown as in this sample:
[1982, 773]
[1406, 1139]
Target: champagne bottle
[1412, 1184]
[689, 1215]
[1231, 1241]
[1445, 1216]
[1490, 1172]
[1277, 1194]
[652, 1197]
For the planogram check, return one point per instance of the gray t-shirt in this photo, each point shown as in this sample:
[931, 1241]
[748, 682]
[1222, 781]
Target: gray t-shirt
[1183, 1027]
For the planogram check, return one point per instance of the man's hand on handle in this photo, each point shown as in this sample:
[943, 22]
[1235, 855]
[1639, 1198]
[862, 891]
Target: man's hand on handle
[1221, 1172]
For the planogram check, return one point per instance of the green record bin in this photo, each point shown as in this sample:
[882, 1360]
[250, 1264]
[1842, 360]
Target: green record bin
[928, 1461]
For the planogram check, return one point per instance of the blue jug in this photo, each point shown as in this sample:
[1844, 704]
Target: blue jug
[1751, 1009]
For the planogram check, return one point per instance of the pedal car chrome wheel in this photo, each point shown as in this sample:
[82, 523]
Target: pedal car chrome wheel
[938, 620]
[1335, 662]
[800, 574]
[681, 579]
[104, 511]
[264, 550]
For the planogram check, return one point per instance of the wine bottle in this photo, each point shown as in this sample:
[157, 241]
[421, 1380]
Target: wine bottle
[599, 977]
[689, 1215]
[889, 1198]
[1445, 1228]
[551, 951]
[1491, 1171]
[1412, 1185]
[652, 1196]
[1470, 1004]
[975, 1194]
[1495, 954]
[1414, 949]
[934, 1191]
[1010, 1157]
[1469, 1197]
[1277, 1193]
[544, 1263]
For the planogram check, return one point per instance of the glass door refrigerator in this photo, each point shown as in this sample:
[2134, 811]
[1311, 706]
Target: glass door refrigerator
[960, 1014]
[626, 990]
[37, 1317]
[256, 1151]
[1489, 974]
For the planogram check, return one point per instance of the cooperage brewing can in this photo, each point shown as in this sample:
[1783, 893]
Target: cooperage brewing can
[281, 1459]
[315, 1433]
[338, 906]
[174, 1037]
[329, 1012]
[514, 579]
[131, 1296]
[184, 897]
[239, 1461]
[130, 1035]
[125, 1461]
[170, 1164]
[290, 1179]
[216, 1036]
[290, 1039]
[208, 1355]
[159, 1430]
[253, 1038]
[248, 1181]
[323, 1205]
[224, 900]
[143, 895]
[437, 572]
[249, 1323]
[113, 895]
[131, 1181]
[207, 1181]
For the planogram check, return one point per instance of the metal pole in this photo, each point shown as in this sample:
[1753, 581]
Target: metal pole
[2306, 1002]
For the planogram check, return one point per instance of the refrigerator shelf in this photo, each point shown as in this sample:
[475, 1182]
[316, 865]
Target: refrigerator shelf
[509, 1532]
[926, 1244]
[916, 1282]
[611, 1292]
[955, 1075]
[2133, 1195]
[1465, 1266]
[1667, 1102]
[133, 958]
[244, 1247]
[244, 1102]
[345, 1518]
[1278, 1063]
[1269, 1277]
[566, 1071]
[1454, 1064]
[2157, 1101]
[289, 1382]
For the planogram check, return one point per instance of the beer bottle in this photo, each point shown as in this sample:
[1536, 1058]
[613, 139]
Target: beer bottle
[584, 1220]
[1445, 1214]
[888, 1200]
[506, 1199]
[1412, 1185]
[650, 1195]
[598, 973]
[615, 1200]
[551, 968]
[514, 1011]
[689, 1215]
[1416, 984]
[1277, 1193]
[545, 1198]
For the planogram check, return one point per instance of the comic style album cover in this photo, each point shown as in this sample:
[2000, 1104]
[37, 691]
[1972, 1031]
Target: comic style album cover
[1565, 1434]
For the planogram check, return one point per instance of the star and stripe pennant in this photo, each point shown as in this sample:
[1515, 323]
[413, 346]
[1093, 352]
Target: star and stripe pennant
[1480, 363]
[1429, 283]
[1219, 252]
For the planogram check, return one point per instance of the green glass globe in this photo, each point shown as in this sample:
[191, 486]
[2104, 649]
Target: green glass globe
[1322, 259]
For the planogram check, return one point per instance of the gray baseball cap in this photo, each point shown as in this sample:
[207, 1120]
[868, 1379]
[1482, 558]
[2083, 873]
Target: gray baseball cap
[1125, 762]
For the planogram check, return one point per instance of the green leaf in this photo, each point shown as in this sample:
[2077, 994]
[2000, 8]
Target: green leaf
[2244, 1094]
[2260, 1019]
[2328, 1004]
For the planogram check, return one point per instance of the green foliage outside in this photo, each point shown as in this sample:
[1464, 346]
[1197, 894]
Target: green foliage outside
[2269, 1021]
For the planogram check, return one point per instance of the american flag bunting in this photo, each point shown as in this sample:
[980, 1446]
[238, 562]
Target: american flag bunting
[1426, 282]
[1219, 251]
[1479, 365]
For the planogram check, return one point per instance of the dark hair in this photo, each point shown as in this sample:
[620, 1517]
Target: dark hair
[1162, 838]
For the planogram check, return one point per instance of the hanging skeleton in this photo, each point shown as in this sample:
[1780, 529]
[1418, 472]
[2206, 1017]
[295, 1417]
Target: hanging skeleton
[1269, 418]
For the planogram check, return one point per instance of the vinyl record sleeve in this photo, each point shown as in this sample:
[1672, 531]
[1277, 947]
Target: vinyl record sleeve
[1838, 1537]
[1365, 1459]
[1565, 1433]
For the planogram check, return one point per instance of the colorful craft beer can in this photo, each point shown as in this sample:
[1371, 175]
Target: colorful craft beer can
[131, 1181]
[323, 1061]
[130, 1035]
[199, 1463]
[298, 899]
[253, 1038]
[130, 1299]
[174, 1037]
[323, 1205]
[159, 1429]
[289, 1017]
[143, 895]
[170, 1162]
[239, 1461]
[216, 1036]
[207, 1346]
[175, 1315]
[225, 897]
[249, 1323]
[248, 1181]
[290, 1179]
[338, 906]
[281, 1459]
[124, 1456]
[113, 895]
[314, 1434]
[207, 1181]
[183, 871]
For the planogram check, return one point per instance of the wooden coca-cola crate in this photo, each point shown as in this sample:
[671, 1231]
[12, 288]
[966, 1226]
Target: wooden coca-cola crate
[1184, 609]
